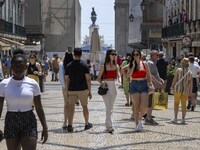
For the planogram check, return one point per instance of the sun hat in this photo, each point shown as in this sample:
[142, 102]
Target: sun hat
[185, 62]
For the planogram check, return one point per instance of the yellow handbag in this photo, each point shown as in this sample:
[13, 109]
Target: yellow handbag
[160, 100]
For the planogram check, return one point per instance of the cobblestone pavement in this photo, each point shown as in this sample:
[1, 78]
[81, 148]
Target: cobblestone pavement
[163, 136]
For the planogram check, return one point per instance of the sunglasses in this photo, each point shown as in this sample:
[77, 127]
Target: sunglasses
[31, 57]
[113, 54]
[136, 54]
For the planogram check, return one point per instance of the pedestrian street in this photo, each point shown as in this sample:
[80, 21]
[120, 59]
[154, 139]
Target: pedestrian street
[162, 136]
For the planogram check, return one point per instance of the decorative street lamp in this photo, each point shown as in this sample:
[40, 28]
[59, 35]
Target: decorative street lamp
[143, 5]
[131, 17]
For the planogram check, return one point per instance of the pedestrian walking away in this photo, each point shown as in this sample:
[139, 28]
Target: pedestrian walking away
[109, 71]
[19, 91]
[195, 69]
[78, 86]
[66, 60]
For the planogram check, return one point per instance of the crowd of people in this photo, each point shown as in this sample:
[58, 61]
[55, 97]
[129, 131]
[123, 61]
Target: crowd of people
[139, 77]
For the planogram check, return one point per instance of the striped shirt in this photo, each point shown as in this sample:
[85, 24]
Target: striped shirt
[184, 85]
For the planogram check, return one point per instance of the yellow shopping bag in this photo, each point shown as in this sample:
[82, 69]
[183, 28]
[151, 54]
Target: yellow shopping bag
[160, 100]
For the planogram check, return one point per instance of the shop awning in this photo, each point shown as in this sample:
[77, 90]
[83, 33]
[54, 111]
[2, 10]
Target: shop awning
[4, 46]
[32, 47]
[18, 44]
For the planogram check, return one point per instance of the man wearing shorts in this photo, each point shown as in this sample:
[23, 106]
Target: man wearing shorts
[157, 83]
[78, 86]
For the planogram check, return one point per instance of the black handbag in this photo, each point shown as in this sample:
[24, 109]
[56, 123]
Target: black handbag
[102, 91]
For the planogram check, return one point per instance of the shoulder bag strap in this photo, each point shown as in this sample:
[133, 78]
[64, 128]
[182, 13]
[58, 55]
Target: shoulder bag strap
[181, 79]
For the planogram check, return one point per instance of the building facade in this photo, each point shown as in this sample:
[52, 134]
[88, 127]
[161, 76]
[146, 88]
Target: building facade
[146, 29]
[33, 24]
[61, 24]
[12, 30]
[181, 28]
[121, 26]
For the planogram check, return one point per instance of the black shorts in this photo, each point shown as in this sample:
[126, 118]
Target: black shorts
[20, 124]
[194, 88]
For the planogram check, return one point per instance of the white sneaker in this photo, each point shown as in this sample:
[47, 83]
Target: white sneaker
[110, 130]
[137, 129]
[174, 121]
[140, 125]
[64, 126]
[132, 117]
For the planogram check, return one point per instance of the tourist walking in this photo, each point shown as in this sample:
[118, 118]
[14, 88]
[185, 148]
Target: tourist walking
[19, 91]
[182, 88]
[33, 68]
[109, 71]
[78, 86]
[157, 84]
[126, 81]
[195, 69]
[66, 60]
[141, 84]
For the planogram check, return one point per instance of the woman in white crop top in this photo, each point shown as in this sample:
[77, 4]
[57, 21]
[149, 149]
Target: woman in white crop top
[19, 91]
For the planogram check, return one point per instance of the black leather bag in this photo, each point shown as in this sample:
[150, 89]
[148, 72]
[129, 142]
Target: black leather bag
[102, 91]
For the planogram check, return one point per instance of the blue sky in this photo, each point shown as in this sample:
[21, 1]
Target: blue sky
[105, 18]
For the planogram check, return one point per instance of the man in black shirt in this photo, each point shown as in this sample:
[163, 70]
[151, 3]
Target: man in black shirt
[162, 68]
[78, 86]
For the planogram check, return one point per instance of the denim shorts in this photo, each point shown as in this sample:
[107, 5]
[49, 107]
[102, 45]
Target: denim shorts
[139, 86]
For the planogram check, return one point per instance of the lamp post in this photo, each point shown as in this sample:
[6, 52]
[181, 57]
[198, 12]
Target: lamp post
[143, 5]
[131, 17]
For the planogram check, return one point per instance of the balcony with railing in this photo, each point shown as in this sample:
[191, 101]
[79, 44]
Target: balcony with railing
[19, 30]
[7, 28]
[173, 30]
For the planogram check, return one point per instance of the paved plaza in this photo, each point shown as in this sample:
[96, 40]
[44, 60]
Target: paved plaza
[162, 136]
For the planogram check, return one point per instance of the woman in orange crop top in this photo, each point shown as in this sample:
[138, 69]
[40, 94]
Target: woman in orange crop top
[109, 71]
[141, 83]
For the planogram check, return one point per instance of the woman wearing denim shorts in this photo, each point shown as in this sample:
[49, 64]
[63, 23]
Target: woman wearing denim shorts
[141, 83]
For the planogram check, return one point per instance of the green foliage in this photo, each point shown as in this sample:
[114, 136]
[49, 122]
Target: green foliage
[170, 70]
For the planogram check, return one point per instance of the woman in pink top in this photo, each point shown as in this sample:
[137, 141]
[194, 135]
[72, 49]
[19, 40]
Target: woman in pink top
[109, 71]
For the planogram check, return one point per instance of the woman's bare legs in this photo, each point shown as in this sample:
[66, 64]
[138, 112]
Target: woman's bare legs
[136, 99]
[143, 106]
[28, 143]
[13, 144]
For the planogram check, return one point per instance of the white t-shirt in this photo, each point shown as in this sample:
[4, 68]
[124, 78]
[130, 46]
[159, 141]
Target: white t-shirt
[61, 74]
[195, 69]
[19, 94]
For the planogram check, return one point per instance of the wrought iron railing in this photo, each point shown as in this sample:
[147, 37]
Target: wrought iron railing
[7, 27]
[173, 30]
[19, 30]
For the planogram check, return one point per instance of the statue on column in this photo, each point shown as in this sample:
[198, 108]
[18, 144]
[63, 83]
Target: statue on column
[93, 16]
